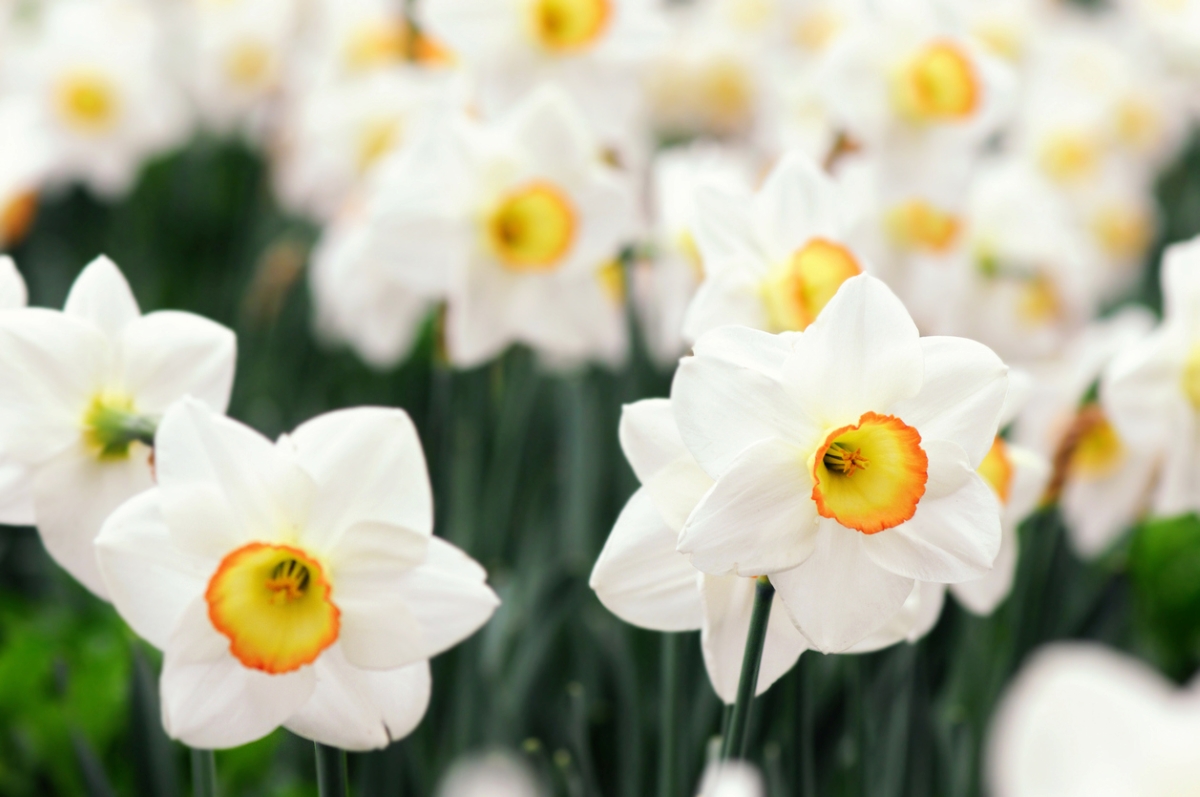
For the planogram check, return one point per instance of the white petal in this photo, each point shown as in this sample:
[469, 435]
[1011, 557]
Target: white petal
[16, 494]
[758, 518]
[982, 595]
[797, 202]
[916, 618]
[210, 700]
[475, 27]
[732, 296]
[151, 581]
[357, 709]
[839, 596]
[167, 355]
[724, 400]
[101, 295]
[863, 353]
[266, 492]
[368, 465]
[954, 535]
[52, 367]
[641, 578]
[725, 230]
[1140, 389]
[1178, 489]
[728, 604]
[1098, 511]
[677, 489]
[1181, 281]
[547, 123]
[961, 397]
[12, 287]
[649, 436]
[73, 494]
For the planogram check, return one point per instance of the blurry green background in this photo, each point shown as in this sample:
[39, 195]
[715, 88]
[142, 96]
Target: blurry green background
[528, 478]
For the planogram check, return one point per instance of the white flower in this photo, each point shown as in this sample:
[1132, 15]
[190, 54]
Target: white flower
[642, 579]
[491, 775]
[844, 458]
[1084, 721]
[294, 583]
[664, 287]
[517, 225]
[235, 56]
[349, 39]
[15, 507]
[773, 260]
[97, 73]
[905, 77]
[1106, 482]
[71, 383]
[731, 779]
[1151, 390]
[593, 48]
[358, 299]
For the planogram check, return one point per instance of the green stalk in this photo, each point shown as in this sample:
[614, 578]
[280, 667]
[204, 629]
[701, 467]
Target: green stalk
[668, 718]
[756, 637]
[204, 773]
[331, 771]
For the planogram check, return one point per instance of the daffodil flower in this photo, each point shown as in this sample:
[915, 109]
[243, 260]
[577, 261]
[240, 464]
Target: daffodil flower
[1081, 720]
[773, 261]
[844, 460]
[642, 579]
[80, 393]
[1152, 388]
[294, 583]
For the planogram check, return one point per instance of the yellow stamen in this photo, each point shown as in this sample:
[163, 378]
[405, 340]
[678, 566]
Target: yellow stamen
[798, 289]
[725, 92]
[250, 65]
[1098, 449]
[939, 84]
[1070, 156]
[612, 280]
[273, 603]
[564, 26]
[375, 44]
[1039, 302]
[532, 228]
[997, 469]
[918, 224]
[1138, 124]
[817, 29]
[871, 475]
[88, 101]
[1123, 232]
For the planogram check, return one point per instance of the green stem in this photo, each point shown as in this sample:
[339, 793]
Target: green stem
[756, 637]
[331, 771]
[204, 773]
[668, 718]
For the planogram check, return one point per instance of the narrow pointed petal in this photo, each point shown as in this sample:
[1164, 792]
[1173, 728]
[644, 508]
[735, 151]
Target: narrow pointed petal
[167, 355]
[798, 201]
[758, 518]
[649, 436]
[982, 595]
[357, 709]
[641, 578]
[101, 295]
[839, 596]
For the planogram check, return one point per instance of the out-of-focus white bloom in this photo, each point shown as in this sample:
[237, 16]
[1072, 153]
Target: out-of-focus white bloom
[13, 294]
[337, 134]
[1151, 390]
[731, 779]
[72, 381]
[1106, 481]
[642, 579]
[97, 71]
[518, 225]
[771, 261]
[349, 39]
[844, 458]
[235, 56]
[295, 583]
[1174, 27]
[25, 161]
[358, 297]
[906, 78]
[1083, 721]
[491, 775]
[1007, 30]
[664, 288]
[593, 48]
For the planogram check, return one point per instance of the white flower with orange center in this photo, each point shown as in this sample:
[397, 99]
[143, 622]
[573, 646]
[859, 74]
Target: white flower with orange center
[515, 224]
[98, 73]
[903, 74]
[80, 393]
[1151, 390]
[1081, 720]
[593, 48]
[293, 583]
[642, 579]
[1103, 480]
[845, 460]
[771, 261]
